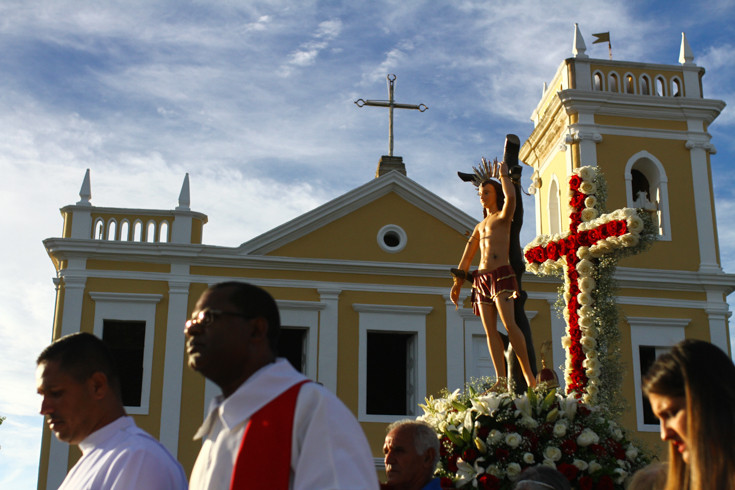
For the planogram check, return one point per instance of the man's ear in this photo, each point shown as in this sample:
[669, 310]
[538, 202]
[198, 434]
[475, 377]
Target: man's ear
[429, 455]
[260, 329]
[98, 385]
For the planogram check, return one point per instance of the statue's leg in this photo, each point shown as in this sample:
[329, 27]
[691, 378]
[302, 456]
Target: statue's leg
[489, 318]
[505, 308]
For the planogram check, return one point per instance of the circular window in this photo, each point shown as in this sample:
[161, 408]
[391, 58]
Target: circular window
[392, 238]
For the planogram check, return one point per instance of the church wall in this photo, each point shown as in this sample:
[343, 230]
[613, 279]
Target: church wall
[115, 265]
[361, 243]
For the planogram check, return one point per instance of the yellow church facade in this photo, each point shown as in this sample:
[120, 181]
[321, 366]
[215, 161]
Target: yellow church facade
[362, 282]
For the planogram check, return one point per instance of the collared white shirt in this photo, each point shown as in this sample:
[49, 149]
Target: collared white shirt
[121, 456]
[328, 451]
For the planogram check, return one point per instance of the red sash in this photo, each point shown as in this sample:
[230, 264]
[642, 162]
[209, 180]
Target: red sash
[264, 458]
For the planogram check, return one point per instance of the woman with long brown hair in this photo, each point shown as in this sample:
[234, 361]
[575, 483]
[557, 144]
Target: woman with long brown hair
[692, 392]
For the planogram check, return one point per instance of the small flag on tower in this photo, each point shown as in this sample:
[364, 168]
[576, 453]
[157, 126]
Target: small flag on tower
[603, 37]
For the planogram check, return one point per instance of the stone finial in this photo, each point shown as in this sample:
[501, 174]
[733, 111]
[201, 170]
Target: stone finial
[579, 48]
[686, 55]
[184, 196]
[85, 192]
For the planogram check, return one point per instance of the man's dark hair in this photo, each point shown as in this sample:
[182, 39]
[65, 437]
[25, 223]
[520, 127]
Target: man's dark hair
[254, 302]
[81, 355]
[499, 194]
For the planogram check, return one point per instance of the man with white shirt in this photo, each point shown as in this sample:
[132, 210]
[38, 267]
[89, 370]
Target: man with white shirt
[77, 378]
[271, 427]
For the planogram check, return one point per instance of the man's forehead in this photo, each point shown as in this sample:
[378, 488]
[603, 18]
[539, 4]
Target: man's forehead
[214, 297]
[399, 436]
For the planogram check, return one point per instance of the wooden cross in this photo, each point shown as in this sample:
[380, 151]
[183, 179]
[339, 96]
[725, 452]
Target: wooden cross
[390, 104]
[577, 252]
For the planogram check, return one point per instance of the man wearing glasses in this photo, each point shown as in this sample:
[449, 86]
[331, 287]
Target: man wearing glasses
[270, 427]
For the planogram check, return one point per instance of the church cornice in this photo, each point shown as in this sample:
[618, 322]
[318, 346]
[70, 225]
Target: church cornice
[640, 106]
[227, 257]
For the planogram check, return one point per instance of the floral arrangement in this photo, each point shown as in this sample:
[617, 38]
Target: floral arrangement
[586, 257]
[488, 439]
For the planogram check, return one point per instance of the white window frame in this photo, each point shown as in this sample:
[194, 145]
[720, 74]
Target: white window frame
[662, 186]
[397, 319]
[305, 315]
[131, 307]
[651, 332]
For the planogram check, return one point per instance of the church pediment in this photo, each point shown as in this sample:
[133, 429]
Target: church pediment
[389, 219]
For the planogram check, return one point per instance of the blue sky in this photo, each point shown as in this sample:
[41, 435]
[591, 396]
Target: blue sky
[255, 100]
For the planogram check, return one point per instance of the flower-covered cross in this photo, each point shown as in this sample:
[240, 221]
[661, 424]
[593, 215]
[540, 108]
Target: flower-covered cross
[591, 235]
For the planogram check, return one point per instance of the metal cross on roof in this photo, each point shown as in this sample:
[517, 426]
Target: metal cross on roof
[390, 104]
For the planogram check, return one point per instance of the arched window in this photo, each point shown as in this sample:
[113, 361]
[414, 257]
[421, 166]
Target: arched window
[647, 189]
[660, 86]
[125, 230]
[138, 231]
[554, 208]
[111, 229]
[629, 84]
[163, 232]
[99, 229]
[645, 85]
[612, 82]
[597, 81]
[676, 87]
[150, 234]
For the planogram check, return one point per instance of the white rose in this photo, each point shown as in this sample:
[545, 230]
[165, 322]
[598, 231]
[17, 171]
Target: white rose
[588, 214]
[549, 463]
[560, 429]
[635, 224]
[585, 267]
[528, 458]
[586, 284]
[631, 453]
[587, 437]
[587, 188]
[513, 440]
[594, 466]
[583, 253]
[591, 363]
[620, 475]
[581, 464]
[512, 471]
[586, 173]
[585, 298]
[629, 240]
[617, 434]
[585, 321]
[586, 311]
[553, 453]
[566, 342]
[495, 470]
[495, 436]
[588, 342]
[590, 201]
[592, 390]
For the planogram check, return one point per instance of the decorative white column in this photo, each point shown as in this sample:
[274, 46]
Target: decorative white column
[455, 344]
[698, 149]
[328, 338]
[71, 321]
[178, 297]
